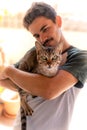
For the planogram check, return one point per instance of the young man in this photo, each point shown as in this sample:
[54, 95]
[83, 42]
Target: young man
[56, 96]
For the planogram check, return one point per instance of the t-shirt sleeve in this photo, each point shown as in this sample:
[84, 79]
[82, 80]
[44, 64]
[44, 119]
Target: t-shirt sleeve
[76, 64]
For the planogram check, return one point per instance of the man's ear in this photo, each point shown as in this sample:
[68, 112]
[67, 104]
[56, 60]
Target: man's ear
[59, 21]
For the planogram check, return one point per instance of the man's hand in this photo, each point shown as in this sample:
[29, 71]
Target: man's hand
[5, 71]
[4, 80]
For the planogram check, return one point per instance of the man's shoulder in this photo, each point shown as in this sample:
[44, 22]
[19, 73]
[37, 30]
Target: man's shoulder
[76, 53]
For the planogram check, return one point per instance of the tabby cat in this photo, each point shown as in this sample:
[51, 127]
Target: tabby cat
[42, 60]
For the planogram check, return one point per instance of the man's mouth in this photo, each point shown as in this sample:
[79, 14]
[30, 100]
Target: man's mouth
[47, 42]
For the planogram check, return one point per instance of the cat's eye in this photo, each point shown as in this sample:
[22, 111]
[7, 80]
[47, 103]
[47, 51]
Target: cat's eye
[44, 58]
[55, 57]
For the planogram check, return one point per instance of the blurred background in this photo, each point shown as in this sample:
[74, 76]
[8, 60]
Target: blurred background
[15, 40]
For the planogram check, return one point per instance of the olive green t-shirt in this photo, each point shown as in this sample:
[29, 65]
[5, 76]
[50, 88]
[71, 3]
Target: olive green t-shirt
[76, 64]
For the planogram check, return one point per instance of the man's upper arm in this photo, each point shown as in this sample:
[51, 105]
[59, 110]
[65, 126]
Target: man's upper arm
[77, 65]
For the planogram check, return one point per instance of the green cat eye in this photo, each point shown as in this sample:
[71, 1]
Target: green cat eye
[44, 58]
[55, 57]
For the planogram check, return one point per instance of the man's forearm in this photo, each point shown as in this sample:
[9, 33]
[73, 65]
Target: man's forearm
[39, 85]
[30, 82]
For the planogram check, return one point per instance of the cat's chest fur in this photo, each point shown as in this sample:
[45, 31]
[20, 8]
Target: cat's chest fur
[49, 72]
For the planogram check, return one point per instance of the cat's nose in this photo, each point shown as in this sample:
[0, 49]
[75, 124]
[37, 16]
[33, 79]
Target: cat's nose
[49, 64]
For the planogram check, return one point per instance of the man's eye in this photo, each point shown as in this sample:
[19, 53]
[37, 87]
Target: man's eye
[36, 35]
[45, 29]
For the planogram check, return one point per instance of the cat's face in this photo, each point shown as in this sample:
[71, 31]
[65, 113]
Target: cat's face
[49, 57]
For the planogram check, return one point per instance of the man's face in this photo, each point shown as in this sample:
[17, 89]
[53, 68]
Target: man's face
[45, 31]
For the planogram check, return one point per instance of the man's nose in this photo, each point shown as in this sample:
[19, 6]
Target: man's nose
[43, 38]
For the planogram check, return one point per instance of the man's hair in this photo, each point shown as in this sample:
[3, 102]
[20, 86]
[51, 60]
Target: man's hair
[39, 9]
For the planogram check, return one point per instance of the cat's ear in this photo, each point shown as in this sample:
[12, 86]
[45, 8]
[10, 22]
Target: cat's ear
[38, 46]
[59, 47]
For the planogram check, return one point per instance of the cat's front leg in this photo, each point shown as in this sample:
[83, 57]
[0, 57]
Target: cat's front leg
[27, 109]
